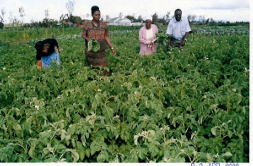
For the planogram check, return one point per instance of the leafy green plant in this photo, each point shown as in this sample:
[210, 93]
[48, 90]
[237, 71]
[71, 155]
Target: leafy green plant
[188, 105]
[93, 45]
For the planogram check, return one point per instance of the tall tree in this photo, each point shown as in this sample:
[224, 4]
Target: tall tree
[154, 18]
[21, 14]
[70, 7]
[194, 18]
[2, 15]
[2, 18]
[46, 13]
[131, 18]
[13, 20]
[140, 19]
[46, 17]
[167, 17]
[189, 18]
[202, 19]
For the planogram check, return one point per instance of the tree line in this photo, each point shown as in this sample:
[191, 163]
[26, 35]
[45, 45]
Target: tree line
[71, 20]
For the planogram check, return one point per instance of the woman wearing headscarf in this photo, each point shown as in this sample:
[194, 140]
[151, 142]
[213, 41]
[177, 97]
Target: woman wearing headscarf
[47, 52]
[99, 31]
[147, 37]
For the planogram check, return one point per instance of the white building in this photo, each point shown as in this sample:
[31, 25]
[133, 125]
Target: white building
[118, 21]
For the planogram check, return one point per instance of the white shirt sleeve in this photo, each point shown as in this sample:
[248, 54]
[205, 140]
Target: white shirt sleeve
[188, 28]
[169, 28]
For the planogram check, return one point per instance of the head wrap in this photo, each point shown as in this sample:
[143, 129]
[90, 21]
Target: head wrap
[94, 9]
[148, 18]
[39, 46]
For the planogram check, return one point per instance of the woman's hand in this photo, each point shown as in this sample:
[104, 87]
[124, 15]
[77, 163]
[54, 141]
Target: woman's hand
[59, 50]
[113, 52]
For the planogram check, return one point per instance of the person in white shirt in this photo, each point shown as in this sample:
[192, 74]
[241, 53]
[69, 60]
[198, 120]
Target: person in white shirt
[178, 29]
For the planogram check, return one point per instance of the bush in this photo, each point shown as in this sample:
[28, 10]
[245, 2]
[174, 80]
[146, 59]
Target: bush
[1, 25]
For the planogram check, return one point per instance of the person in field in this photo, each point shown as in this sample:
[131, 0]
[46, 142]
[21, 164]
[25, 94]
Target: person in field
[47, 52]
[178, 29]
[147, 37]
[99, 31]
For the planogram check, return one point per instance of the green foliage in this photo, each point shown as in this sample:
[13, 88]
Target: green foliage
[93, 45]
[189, 105]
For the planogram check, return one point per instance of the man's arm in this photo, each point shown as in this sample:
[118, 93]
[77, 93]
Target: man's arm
[169, 32]
[185, 39]
[169, 41]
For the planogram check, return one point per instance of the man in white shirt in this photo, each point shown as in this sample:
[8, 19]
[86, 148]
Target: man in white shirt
[178, 29]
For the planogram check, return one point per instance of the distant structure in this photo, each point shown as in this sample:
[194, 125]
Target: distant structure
[123, 22]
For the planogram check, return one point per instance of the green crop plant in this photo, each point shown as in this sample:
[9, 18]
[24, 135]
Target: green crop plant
[189, 105]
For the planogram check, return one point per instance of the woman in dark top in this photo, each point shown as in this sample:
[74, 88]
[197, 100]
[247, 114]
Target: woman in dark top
[46, 53]
[99, 31]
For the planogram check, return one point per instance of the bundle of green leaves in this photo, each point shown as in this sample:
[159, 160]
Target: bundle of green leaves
[162, 38]
[93, 45]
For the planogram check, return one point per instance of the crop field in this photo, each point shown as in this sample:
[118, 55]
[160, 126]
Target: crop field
[189, 105]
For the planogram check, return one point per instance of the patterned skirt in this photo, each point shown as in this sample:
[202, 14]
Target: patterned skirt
[96, 58]
[47, 60]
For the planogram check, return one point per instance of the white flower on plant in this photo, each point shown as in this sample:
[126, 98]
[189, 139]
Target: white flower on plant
[99, 90]
[234, 90]
[4, 68]
[37, 107]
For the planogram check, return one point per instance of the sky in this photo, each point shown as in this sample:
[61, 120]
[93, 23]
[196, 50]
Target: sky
[226, 10]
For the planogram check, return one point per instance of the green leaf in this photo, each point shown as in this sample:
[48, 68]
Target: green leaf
[87, 152]
[94, 148]
[102, 157]
[73, 142]
[213, 130]
[31, 152]
[82, 154]
[16, 127]
[227, 154]
[142, 152]
[63, 134]
[230, 133]
[72, 129]
[33, 145]
[75, 156]
[209, 158]
[93, 45]
[67, 137]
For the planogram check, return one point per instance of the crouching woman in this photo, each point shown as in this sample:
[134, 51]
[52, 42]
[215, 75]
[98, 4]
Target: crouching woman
[47, 53]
